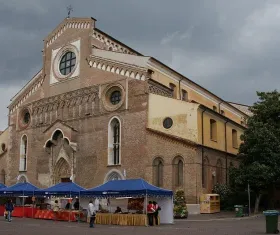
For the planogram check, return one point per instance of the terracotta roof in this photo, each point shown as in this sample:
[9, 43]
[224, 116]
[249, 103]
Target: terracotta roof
[243, 107]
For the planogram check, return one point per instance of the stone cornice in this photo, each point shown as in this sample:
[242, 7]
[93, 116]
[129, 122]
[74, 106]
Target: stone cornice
[112, 43]
[116, 67]
[173, 138]
[32, 86]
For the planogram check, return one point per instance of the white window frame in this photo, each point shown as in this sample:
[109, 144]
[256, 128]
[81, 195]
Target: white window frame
[111, 144]
[23, 154]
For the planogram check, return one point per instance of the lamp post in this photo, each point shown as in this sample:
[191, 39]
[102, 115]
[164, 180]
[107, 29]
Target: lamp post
[249, 199]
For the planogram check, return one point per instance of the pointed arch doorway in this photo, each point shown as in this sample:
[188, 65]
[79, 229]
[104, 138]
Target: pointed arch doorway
[62, 171]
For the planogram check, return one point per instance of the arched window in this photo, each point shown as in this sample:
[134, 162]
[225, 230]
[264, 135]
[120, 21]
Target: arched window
[213, 130]
[23, 154]
[3, 177]
[158, 172]
[234, 138]
[184, 95]
[178, 172]
[219, 172]
[3, 147]
[114, 176]
[22, 179]
[173, 90]
[205, 172]
[57, 135]
[114, 142]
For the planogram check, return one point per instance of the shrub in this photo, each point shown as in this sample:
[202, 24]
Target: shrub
[180, 207]
[225, 195]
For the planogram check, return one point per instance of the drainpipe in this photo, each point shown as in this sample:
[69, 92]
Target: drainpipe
[202, 146]
[226, 151]
[180, 95]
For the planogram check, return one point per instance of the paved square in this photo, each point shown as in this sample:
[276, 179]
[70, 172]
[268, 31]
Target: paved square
[209, 227]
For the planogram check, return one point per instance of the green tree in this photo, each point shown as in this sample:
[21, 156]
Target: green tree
[260, 151]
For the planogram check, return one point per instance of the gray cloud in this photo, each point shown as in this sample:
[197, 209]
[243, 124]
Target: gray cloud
[229, 47]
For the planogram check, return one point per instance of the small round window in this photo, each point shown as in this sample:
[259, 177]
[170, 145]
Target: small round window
[167, 123]
[26, 117]
[67, 63]
[115, 97]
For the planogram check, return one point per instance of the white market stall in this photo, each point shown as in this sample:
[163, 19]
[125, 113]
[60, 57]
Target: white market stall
[135, 192]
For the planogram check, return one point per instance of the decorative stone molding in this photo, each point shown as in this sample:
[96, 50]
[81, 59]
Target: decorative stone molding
[158, 89]
[111, 44]
[69, 99]
[65, 106]
[69, 24]
[38, 82]
[118, 68]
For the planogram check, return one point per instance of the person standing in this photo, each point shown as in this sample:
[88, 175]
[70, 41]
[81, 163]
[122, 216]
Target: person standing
[150, 212]
[157, 209]
[9, 208]
[77, 205]
[91, 214]
[55, 210]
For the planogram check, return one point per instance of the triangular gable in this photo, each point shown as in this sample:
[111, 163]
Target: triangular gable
[69, 23]
[55, 125]
[68, 132]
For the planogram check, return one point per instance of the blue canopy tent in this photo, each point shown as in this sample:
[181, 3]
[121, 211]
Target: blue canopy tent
[2, 186]
[19, 189]
[137, 188]
[61, 189]
[127, 188]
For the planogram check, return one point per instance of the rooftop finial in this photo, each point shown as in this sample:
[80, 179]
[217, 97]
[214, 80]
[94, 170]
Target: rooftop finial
[69, 9]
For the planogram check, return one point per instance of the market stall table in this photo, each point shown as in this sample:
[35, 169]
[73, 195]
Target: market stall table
[121, 219]
[19, 211]
[62, 215]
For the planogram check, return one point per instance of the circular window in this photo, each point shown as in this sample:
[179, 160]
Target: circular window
[167, 123]
[26, 117]
[115, 97]
[67, 63]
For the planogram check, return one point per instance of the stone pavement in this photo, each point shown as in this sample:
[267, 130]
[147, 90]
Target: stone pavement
[218, 216]
[227, 226]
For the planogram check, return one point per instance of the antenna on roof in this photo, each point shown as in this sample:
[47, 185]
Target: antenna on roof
[69, 9]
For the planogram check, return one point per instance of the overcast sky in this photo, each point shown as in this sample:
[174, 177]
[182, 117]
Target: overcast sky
[230, 47]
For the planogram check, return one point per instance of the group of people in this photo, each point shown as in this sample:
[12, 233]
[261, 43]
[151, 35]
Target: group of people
[76, 205]
[152, 210]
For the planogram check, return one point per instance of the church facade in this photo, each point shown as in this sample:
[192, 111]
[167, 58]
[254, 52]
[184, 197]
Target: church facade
[99, 110]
